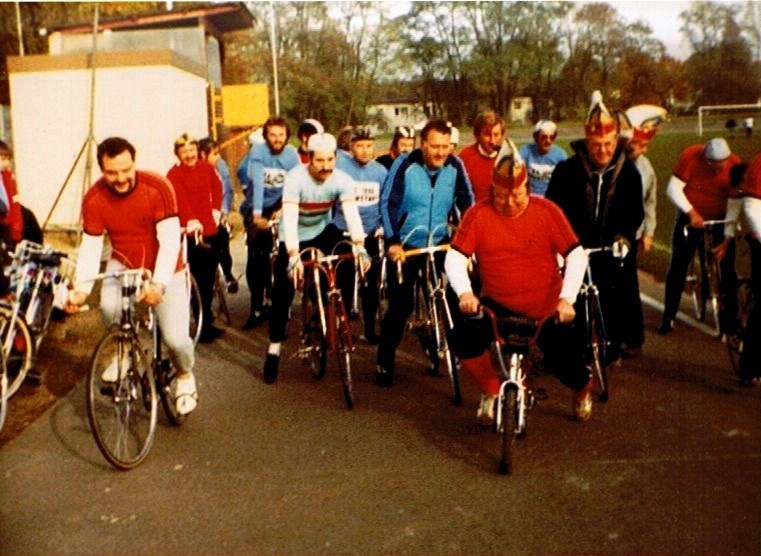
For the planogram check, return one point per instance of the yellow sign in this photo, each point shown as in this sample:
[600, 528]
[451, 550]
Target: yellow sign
[245, 105]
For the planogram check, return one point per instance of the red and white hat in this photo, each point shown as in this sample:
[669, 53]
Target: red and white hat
[645, 121]
[600, 121]
[509, 168]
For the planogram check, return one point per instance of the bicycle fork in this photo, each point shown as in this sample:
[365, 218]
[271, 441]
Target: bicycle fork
[516, 379]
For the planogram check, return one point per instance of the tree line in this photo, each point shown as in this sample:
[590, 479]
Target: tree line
[336, 58]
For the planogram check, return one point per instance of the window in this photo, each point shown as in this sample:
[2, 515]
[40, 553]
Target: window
[517, 104]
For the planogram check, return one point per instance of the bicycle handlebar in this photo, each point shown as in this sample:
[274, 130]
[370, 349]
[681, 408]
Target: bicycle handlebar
[522, 330]
[706, 224]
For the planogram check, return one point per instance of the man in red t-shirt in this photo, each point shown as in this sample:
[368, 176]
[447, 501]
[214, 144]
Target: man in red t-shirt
[138, 212]
[199, 200]
[479, 158]
[517, 239]
[700, 187]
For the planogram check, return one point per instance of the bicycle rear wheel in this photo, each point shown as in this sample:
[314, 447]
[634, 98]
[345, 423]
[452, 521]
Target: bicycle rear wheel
[343, 348]
[3, 391]
[713, 299]
[598, 343]
[121, 400]
[508, 428]
[735, 342]
[443, 353]
[221, 296]
[18, 349]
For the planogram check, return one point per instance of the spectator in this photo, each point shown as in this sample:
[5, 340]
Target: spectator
[306, 129]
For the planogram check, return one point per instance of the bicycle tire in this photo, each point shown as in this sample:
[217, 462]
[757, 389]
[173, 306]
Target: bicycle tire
[122, 413]
[314, 347]
[735, 342]
[221, 296]
[196, 309]
[713, 296]
[444, 353]
[694, 285]
[598, 343]
[508, 424]
[3, 391]
[343, 348]
[18, 352]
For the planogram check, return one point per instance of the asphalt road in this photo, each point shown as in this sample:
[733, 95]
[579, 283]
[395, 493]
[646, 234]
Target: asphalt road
[670, 465]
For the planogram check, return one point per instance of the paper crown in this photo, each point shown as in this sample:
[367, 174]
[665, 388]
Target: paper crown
[546, 126]
[509, 168]
[600, 121]
[645, 120]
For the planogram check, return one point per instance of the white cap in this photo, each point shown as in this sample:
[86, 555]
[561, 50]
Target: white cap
[256, 137]
[454, 136]
[321, 142]
[546, 126]
[717, 149]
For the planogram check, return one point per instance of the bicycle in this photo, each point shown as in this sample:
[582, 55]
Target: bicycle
[37, 286]
[703, 281]
[594, 327]
[122, 385]
[513, 337]
[326, 326]
[194, 294]
[432, 317]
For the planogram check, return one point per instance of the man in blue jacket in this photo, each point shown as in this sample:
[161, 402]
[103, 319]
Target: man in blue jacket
[267, 165]
[423, 188]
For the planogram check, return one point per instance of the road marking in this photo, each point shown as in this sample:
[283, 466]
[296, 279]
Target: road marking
[678, 459]
[680, 316]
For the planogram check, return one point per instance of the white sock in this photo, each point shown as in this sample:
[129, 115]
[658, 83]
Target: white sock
[274, 348]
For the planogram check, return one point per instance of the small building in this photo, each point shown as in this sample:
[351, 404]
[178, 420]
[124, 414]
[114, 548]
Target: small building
[386, 116]
[155, 77]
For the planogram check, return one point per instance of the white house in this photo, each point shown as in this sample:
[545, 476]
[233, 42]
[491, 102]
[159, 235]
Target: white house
[387, 116]
[151, 85]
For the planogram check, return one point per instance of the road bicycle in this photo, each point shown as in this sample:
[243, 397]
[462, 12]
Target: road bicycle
[594, 328]
[735, 341]
[431, 317]
[703, 282]
[124, 384]
[513, 337]
[326, 325]
[37, 286]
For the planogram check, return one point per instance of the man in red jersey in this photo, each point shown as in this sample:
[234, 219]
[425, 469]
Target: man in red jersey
[700, 188]
[199, 200]
[479, 158]
[138, 212]
[517, 239]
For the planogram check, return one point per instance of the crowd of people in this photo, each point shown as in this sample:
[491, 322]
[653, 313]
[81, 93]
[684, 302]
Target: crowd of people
[535, 214]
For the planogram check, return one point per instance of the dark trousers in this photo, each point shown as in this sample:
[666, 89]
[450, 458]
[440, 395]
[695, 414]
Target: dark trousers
[368, 292]
[682, 251]
[258, 271]
[284, 290]
[203, 259]
[225, 258]
[561, 344]
[400, 305]
[632, 321]
[750, 360]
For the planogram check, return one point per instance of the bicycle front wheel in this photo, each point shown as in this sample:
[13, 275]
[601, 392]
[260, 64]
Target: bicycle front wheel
[598, 341]
[508, 424]
[3, 391]
[343, 349]
[18, 349]
[196, 309]
[121, 400]
[735, 342]
[696, 286]
[443, 352]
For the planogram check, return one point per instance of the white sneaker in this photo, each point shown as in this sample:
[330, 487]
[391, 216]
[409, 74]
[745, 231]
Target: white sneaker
[485, 414]
[185, 394]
